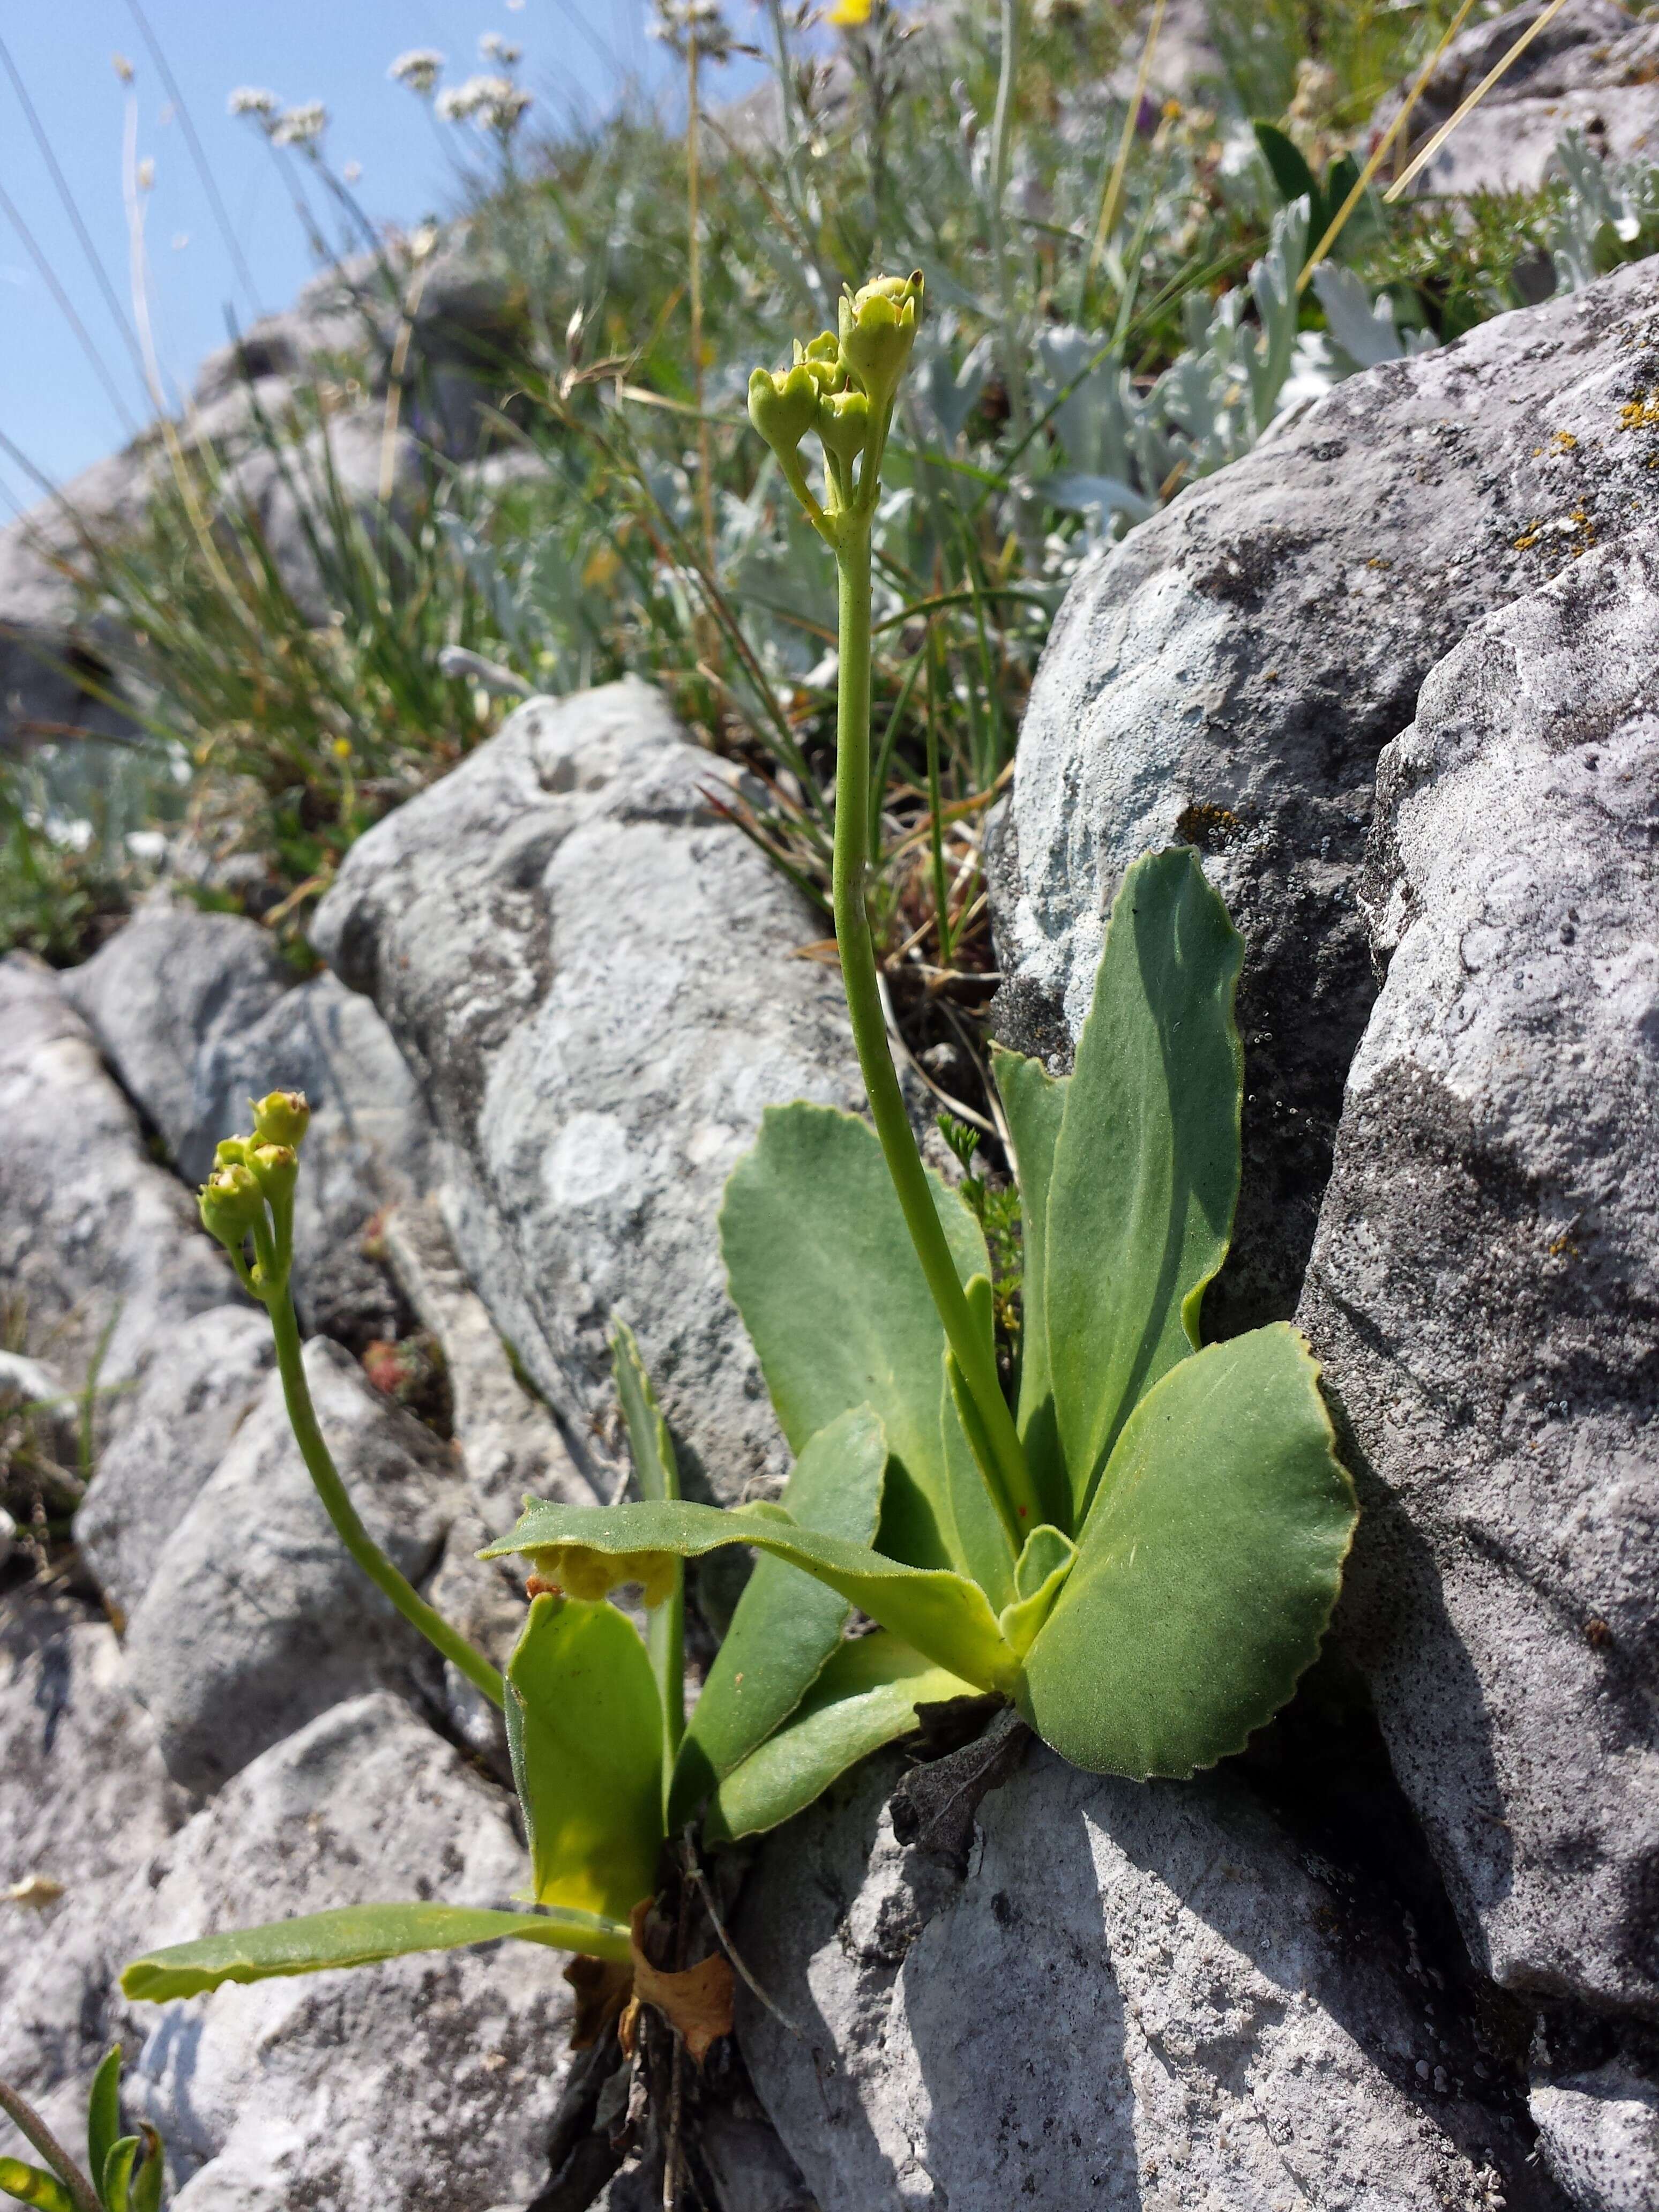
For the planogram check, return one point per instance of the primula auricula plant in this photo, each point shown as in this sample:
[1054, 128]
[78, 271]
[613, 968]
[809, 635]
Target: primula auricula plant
[1143, 1549]
[122, 2173]
[1139, 1548]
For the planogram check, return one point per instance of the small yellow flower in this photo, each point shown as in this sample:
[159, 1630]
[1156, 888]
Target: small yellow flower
[850, 13]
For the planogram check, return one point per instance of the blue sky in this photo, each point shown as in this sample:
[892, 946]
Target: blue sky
[53, 403]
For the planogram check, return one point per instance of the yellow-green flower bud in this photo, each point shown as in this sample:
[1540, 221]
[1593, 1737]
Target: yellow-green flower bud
[843, 423]
[878, 329]
[822, 360]
[276, 1169]
[782, 406]
[230, 1152]
[281, 1117]
[231, 1202]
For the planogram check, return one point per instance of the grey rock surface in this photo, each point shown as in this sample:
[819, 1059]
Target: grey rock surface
[37, 1392]
[85, 1800]
[201, 1386]
[101, 1245]
[1141, 1997]
[509, 1441]
[1591, 69]
[589, 973]
[1484, 1287]
[195, 1014]
[256, 1619]
[428, 2082]
[1600, 2131]
[1229, 674]
[161, 994]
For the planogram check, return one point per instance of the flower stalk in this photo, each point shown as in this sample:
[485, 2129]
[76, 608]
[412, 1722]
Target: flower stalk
[249, 1198]
[844, 386]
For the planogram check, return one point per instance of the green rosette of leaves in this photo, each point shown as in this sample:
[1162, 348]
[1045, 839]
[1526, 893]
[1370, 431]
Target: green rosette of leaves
[1150, 1592]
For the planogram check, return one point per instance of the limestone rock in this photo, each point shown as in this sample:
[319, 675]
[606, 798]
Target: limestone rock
[1229, 674]
[256, 1618]
[1141, 1998]
[589, 973]
[1484, 1288]
[164, 992]
[36, 1392]
[509, 1441]
[85, 1801]
[1592, 70]
[103, 1245]
[203, 1382]
[1600, 2132]
[430, 2082]
[195, 1014]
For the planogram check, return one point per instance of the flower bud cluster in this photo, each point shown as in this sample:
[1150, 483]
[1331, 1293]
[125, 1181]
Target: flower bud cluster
[843, 386]
[249, 1193]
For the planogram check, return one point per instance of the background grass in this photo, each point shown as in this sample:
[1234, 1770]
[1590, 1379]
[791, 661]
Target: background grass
[630, 522]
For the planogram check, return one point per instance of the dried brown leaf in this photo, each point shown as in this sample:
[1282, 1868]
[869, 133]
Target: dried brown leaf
[696, 2004]
[601, 1987]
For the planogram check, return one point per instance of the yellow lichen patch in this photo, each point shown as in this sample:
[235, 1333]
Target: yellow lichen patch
[1530, 537]
[1565, 441]
[1640, 413]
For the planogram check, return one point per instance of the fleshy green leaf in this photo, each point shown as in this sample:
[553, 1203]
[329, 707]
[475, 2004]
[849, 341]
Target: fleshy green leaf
[865, 1698]
[29, 2184]
[104, 2113]
[1208, 1571]
[1044, 1566]
[786, 1626]
[147, 2183]
[584, 1724]
[1145, 1167]
[823, 1271]
[1034, 1102]
[657, 1472]
[116, 2188]
[982, 1539]
[941, 1613]
[1292, 179]
[356, 1936]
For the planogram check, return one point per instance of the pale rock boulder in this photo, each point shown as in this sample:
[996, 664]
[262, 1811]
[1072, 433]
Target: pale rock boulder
[1142, 1997]
[590, 974]
[1484, 1291]
[1600, 2131]
[1228, 675]
[196, 1014]
[161, 994]
[256, 1618]
[1591, 69]
[103, 1245]
[201, 1386]
[85, 1801]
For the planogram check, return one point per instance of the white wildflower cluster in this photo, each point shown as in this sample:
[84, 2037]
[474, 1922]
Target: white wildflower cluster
[493, 103]
[249, 100]
[300, 126]
[493, 47]
[419, 69]
[681, 24]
